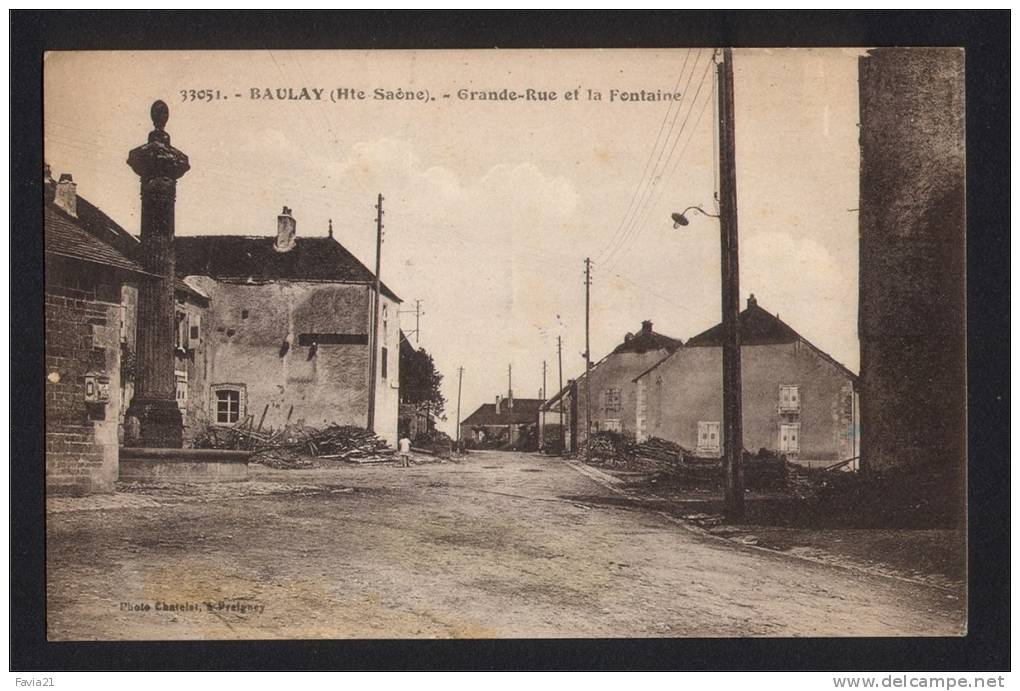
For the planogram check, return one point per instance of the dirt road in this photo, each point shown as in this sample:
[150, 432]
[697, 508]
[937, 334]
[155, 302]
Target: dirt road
[500, 545]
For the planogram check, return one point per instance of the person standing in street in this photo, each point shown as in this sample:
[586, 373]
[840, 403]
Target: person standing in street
[404, 447]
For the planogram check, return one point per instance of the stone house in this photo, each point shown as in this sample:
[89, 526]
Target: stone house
[613, 391]
[797, 400]
[508, 418]
[287, 337]
[258, 329]
[85, 274]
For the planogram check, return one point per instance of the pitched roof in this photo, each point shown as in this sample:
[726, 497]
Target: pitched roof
[63, 236]
[757, 327]
[101, 227]
[642, 342]
[525, 410]
[91, 219]
[254, 259]
[646, 340]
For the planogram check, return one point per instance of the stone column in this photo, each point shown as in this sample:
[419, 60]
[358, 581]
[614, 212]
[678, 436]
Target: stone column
[159, 166]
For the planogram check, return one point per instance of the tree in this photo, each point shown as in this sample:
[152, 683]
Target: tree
[420, 383]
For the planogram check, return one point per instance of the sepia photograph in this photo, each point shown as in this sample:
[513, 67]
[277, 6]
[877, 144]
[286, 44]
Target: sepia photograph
[505, 343]
[510, 340]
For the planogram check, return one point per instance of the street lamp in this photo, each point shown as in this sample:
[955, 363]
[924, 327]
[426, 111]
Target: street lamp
[680, 219]
[733, 443]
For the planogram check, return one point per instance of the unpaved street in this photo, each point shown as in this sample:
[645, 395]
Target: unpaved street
[500, 545]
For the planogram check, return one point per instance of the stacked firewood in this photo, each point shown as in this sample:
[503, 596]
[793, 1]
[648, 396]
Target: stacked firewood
[657, 449]
[294, 446]
[347, 443]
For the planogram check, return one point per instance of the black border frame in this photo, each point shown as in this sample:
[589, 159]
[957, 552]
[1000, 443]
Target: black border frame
[984, 35]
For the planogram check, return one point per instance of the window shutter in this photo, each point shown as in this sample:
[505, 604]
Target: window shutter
[194, 332]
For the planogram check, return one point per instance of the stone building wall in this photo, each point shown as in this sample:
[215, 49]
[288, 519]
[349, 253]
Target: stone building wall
[686, 389]
[257, 340]
[82, 337]
[912, 258]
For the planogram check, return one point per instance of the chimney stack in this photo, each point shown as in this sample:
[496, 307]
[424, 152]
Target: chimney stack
[499, 404]
[646, 327]
[752, 301]
[67, 195]
[286, 229]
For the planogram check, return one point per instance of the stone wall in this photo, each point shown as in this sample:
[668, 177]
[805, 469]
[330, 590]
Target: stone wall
[912, 258]
[82, 337]
[687, 389]
[617, 372]
[257, 339]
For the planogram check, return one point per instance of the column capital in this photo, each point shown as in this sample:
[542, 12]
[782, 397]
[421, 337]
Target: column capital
[157, 158]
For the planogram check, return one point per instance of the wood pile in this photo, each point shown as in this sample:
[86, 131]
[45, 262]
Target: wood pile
[657, 449]
[294, 446]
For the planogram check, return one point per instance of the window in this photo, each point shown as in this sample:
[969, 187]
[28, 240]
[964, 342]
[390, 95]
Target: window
[789, 399]
[708, 438]
[181, 377]
[228, 406]
[228, 403]
[612, 401]
[385, 362]
[789, 437]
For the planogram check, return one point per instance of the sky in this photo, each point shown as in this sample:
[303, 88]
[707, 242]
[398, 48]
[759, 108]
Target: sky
[491, 206]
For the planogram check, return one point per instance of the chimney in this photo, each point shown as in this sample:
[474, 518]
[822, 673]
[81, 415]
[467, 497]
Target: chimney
[646, 327]
[499, 404]
[286, 229]
[752, 301]
[67, 195]
[627, 336]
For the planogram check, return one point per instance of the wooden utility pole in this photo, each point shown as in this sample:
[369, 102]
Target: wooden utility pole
[587, 347]
[510, 404]
[460, 379]
[732, 413]
[541, 437]
[563, 419]
[374, 357]
[417, 320]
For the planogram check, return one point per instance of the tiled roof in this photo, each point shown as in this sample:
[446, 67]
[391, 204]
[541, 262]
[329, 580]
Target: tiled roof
[757, 327]
[525, 410]
[646, 340]
[255, 260]
[64, 237]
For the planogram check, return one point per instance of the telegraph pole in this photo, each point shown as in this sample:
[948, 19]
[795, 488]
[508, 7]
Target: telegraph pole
[587, 347]
[732, 413]
[542, 408]
[374, 357]
[417, 320]
[563, 419]
[460, 379]
[510, 404]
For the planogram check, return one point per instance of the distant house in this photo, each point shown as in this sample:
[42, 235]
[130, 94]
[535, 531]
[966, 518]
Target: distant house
[612, 390]
[797, 400]
[513, 419]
